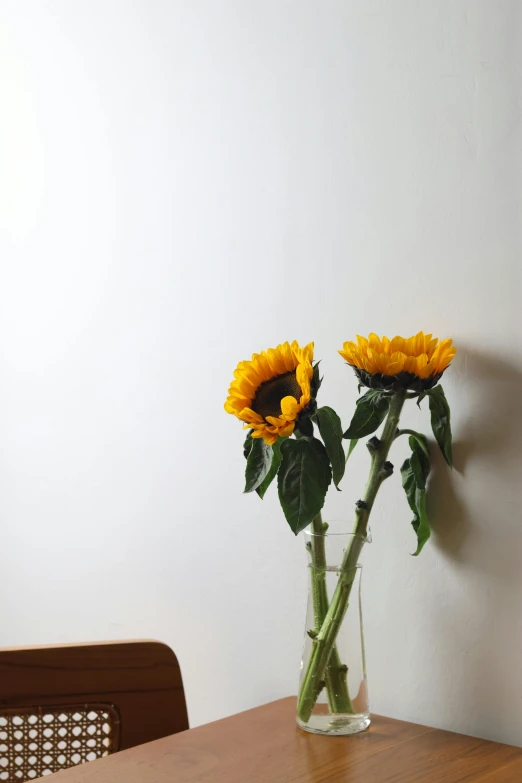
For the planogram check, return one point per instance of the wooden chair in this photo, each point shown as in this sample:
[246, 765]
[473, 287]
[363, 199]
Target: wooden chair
[65, 705]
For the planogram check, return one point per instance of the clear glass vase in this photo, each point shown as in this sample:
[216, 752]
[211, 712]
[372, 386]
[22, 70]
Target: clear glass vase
[333, 693]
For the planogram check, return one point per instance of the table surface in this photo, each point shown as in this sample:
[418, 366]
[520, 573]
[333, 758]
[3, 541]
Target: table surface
[264, 745]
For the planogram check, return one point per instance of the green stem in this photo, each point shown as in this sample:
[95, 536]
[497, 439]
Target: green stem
[325, 640]
[335, 677]
[406, 432]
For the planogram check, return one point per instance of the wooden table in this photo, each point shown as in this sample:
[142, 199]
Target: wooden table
[265, 746]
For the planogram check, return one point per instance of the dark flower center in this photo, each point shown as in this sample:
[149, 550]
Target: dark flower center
[404, 380]
[267, 401]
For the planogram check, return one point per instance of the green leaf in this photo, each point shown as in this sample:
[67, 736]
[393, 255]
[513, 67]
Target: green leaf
[304, 428]
[274, 467]
[414, 472]
[420, 460]
[408, 484]
[421, 523]
[369, 414]
[258, 464]
[422, 441]
[316, 381]
[440, 421]
[353, 444]
[303, 480]
[331, 431]
[420, 398]
[247, 445]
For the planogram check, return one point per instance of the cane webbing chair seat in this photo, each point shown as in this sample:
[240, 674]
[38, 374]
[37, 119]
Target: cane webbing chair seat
[71, 704]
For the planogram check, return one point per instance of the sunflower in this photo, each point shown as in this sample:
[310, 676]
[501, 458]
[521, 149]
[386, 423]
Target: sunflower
[271, 390]
[415, 363]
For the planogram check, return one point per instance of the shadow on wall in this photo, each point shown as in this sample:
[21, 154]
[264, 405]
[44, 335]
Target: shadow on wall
[491, 436]
[484, 539]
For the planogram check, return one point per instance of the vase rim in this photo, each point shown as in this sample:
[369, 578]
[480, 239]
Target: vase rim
[334, 531]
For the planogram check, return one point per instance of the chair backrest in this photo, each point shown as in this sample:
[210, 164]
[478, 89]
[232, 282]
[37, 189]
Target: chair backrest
[65, 705]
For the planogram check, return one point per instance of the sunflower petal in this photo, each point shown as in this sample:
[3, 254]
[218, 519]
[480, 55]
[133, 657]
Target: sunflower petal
[431, 347]
[248, 415]
[289, 408]
[374, 342]
[418, 344]
[398, 344]
[262, 366]
[308, 353]
[275, 421]
[288, 356]
[277, 363]
[420, 356]
[244, 391]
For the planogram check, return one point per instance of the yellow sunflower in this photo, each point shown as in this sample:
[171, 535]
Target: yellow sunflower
[270, 391]
[402, 363]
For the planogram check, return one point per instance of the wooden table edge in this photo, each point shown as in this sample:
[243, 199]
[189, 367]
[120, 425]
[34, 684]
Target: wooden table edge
[216, 740]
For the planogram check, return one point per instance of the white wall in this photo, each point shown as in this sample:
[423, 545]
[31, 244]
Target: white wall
[185, 182]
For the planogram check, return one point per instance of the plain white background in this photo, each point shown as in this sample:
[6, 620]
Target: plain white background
[185, 182]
